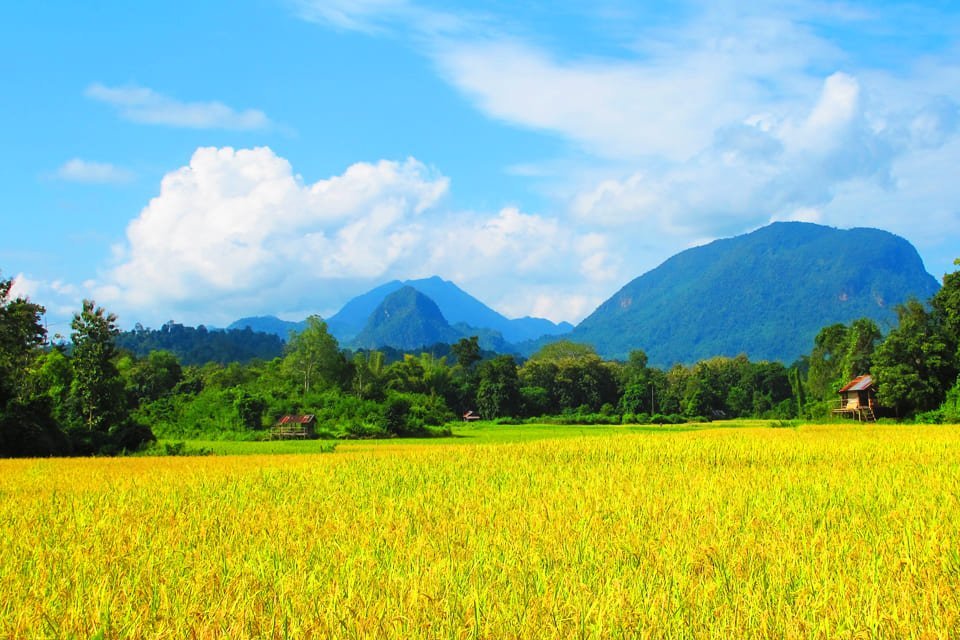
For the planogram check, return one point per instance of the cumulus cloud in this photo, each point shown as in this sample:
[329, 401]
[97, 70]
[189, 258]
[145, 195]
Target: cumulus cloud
[238, 226]
[86, 171]
[146, 106]
[784, 168]
[237, 232]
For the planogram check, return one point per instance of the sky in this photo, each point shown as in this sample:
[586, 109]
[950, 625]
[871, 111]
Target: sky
[204, 161]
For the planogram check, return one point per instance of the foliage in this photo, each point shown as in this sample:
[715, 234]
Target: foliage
[26, 423]
[199, 345]
[499, 391]
[915, 365]
[313, 357]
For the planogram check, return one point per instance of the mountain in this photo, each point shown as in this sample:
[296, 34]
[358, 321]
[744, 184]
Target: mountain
[456, 305]
[269, 324]
[405, 319]
[766, 293]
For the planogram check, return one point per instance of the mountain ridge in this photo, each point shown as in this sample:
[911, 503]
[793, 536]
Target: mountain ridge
[457, 306]
[405, 319]
[765, 293]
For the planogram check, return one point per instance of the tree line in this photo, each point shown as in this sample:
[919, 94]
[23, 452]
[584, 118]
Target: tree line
[91, 396]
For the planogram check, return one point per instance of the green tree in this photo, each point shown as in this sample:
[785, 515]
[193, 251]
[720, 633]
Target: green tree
[914, 366]
[467, 352]
[368, 370]
[946, 306]
[97, 392]
[97, 387]
[563, 349]
[151, 378]
[862, 338]
[826, 362]
[313, 357]
[499, 391]
[638, 392]
[21, 336]
[27, 427]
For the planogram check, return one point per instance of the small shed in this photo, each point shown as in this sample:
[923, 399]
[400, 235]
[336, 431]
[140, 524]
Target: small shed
[295, 427]
[858, 399]
[470, 416]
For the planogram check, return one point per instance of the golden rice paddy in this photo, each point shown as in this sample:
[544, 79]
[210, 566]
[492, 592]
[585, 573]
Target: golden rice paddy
[814, 532]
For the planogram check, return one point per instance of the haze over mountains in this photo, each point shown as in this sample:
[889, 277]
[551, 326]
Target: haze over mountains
[765, 294]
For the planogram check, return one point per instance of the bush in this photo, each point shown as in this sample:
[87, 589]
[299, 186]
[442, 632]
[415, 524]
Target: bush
[179, 448]
[364, 430]
[931, 417]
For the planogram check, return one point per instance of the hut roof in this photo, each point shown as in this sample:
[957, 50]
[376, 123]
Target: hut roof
[294, 419]
[860, 383]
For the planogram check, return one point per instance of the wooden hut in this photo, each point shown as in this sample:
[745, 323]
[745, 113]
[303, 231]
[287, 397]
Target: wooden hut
[858, 399]
[295, 427]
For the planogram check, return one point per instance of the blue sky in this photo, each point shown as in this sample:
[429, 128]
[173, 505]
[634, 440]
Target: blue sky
[205, 161]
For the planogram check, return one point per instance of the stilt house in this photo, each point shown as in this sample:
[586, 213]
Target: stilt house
[294, 426]
[858, 399]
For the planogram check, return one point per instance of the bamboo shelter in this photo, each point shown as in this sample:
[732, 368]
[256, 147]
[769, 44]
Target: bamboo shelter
[295, 427]
[858, 399]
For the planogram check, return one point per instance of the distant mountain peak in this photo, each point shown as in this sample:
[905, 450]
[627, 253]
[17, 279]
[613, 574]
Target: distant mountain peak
[405, 319]
[456, 305]
[766, 293]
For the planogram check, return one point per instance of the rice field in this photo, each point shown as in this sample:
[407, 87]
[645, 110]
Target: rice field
[821, 531]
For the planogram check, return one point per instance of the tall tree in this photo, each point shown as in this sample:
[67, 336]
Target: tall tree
[367, 371]
[499, 391]
[27, 427]
[313, 356]
[826, 362]
[97, 387]
[914, 366]
[21, 336]
[946, 306]
[466, 351]
[862, 339]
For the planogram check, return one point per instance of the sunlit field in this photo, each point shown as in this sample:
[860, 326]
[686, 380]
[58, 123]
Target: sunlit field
[820, 531]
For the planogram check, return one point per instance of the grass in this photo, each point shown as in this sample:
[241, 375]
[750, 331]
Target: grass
[818, 531]
[463, 433]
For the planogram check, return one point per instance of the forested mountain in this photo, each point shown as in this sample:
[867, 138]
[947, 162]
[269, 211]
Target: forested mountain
[198, 345]
[765, 294]
[458, 307]
[269, 324]
[406, 319]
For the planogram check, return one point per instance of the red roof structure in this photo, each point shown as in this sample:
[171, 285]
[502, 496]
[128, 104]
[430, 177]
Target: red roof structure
[295, 426]
[860, 383]
[858, 399]
[294, 419]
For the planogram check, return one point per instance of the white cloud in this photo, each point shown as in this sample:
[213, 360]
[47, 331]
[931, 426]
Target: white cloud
[718, 118]
[146, 106]
[60, 299]
[523, 263]
[237, 231]
[354, 15]
[786, 166]
[79, 170]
